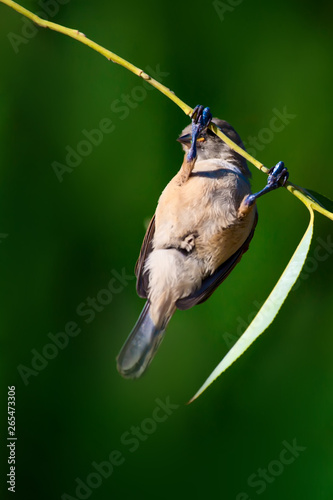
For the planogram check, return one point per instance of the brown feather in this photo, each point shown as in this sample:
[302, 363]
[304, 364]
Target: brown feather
[210, 283]
[146, 248]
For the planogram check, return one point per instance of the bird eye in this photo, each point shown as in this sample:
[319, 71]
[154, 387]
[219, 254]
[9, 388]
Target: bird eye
[201, 139]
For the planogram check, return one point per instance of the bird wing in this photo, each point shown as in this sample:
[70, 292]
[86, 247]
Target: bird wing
[146, 248]
[210, 283]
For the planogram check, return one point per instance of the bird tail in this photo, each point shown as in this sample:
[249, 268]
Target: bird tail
[141, 345]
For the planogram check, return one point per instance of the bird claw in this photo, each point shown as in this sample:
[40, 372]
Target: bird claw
[278, 175]
[188, 243]
[201, 118]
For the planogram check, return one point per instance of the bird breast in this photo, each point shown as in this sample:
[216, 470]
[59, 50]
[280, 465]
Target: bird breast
[204, 210]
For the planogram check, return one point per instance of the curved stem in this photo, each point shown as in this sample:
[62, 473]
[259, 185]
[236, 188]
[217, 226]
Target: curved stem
[306, 198]
[111, 56]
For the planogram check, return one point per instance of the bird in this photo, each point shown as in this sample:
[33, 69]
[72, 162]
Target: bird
[203, 224]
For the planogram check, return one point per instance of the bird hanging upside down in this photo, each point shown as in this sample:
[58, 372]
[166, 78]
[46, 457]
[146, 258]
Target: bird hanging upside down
[204, 222]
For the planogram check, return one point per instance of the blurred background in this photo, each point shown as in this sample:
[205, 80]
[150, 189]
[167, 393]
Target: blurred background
[86, 150]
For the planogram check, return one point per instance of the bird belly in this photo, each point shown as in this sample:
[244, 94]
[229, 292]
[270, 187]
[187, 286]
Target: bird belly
[205, 207]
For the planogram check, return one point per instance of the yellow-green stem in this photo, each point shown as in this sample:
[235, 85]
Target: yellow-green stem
[302, 195]
[111, 56]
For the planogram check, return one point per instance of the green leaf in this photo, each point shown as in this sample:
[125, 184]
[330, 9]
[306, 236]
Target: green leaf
[269, 310]
[321, 199]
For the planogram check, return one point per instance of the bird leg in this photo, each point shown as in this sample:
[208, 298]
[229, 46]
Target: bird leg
[188, 242]
[277, 177]
[201, 118]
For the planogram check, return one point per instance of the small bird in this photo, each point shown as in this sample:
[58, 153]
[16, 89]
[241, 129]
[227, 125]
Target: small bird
[203, 224]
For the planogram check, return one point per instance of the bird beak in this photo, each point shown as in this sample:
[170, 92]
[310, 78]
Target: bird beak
[185, 139]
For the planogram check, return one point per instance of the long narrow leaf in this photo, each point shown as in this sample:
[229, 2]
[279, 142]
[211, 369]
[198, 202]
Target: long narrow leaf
[321, 199]
[269, 310]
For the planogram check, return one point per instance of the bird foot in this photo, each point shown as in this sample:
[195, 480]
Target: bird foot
[201, 118]
[188, 243]
[278, 175]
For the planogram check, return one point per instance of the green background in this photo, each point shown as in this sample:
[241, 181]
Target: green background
[65, 239]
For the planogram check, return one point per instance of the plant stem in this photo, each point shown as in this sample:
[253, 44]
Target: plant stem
[111, 56]
[306, 198]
